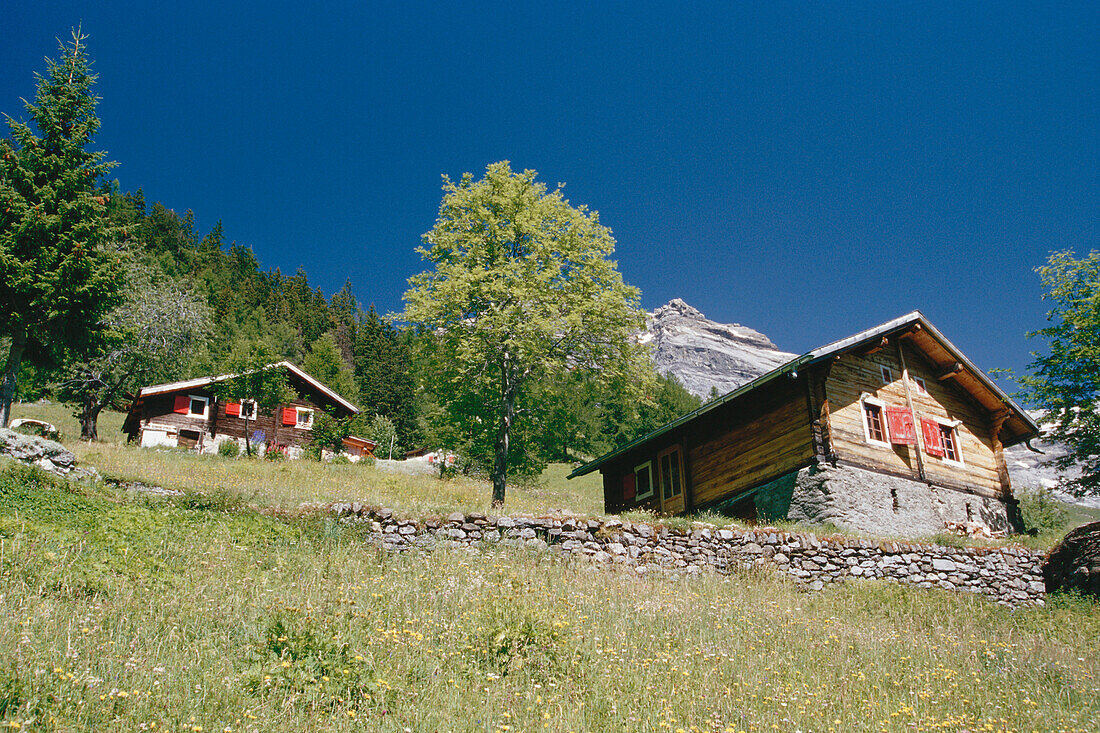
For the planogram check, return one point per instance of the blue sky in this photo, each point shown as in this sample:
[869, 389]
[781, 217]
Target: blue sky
[807, 169]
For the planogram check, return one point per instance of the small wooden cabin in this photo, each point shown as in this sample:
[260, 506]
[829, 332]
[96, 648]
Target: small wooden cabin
[890, 430]
[189, 415]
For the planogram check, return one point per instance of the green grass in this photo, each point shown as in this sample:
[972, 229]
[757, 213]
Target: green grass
[291, 483]
[124, 613]
[287, 485]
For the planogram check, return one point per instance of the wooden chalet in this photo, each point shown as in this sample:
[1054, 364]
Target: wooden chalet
[920, 428]
[188, 414]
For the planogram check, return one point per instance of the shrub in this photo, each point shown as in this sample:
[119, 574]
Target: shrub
[340, 460]
[229, 449]
[381, 430]
[274, 454]
[1041, 511]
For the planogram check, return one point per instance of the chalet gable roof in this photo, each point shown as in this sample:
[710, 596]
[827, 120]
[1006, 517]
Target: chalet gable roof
[157, 389]
[914, 326]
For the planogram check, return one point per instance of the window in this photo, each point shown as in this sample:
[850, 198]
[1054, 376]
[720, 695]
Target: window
[941, 439]
[196, 406]
[887, 374]
[921, 387]
[874, 424]
[950, 439]
[248, 409]
[643, 480]
[671, 483]
[305, 417]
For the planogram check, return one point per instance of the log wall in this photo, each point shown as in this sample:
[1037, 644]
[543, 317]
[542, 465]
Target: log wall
[855, 374]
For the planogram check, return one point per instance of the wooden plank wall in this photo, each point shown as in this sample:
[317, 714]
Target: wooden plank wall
[855, 374]
[270, 423]
[159, 410]
[755, 439]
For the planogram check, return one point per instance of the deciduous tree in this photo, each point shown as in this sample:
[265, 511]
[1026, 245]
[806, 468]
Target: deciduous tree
[1065, 381]
[57, 278]
[521, 288]
[148, 337]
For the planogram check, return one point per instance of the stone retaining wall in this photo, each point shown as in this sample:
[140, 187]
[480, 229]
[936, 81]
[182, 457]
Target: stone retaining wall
[1010, 575]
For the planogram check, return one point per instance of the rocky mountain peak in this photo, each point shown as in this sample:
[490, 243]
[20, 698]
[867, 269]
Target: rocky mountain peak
[705, 354]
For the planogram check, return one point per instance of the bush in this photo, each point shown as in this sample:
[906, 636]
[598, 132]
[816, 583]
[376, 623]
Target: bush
[381, 430]
[229, 449]
[1041, 511]
[340, 460]
[274, 454]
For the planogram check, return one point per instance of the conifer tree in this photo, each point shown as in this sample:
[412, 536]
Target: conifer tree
[383, 373]
[325, 363]
[57, 278]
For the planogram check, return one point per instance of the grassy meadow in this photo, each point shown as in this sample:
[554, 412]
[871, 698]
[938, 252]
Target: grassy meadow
[200, 613]
[287, 484]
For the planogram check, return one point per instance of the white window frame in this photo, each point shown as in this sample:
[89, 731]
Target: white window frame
[255, 410]
[648, 467]
[866, 398]
[887, 374]
[953, 426]
[299, 411]
[205, 406]
[922, 387]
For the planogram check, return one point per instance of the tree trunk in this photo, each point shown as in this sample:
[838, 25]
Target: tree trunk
[89, 419]
[500, 463]
[11, 374]
[247, 438]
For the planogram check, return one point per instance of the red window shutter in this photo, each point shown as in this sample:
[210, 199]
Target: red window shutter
[233, 408]
[628, 487]
[933, 439]
[902, 431]
[182, 405]
[290, 416]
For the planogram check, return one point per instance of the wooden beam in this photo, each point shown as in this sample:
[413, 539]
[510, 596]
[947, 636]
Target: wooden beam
[917, 328]
[913, 413]
[875, 346]
[996, 422]
[952, 371]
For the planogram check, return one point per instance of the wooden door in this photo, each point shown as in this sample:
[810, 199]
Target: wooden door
[670, 469]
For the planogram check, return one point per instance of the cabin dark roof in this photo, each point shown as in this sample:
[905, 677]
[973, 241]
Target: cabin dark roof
[928, 339]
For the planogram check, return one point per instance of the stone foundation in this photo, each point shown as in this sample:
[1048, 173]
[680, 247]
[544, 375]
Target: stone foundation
[864, 501]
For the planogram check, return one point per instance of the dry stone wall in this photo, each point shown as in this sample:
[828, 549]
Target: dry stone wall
[1010, 575]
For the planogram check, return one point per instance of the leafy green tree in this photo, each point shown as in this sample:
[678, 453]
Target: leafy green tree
[521, 289]
[327, 433]
[382, 431]
[326, 363]
[256, 379]
[57, 277]
[1064, 382]
[148, 337]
